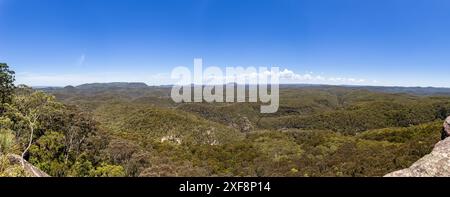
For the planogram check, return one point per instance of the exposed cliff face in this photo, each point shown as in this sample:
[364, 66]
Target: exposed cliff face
[435, 164]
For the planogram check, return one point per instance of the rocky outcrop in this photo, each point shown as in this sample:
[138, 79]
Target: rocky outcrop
[435, 164]
[29, 169]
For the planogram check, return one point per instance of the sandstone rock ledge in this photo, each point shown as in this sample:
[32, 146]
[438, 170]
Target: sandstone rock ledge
[29, 169]
[435, 164]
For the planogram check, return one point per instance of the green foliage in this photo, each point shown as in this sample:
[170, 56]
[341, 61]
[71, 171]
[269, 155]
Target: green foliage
[81, 168]
[145, 124]
[48, 154]
[6, 136]
[106, 170]
[6, 141]
[136, 130]
[238, 116]
[31, 111]
[62, 136]
[6, 85]
[402, 135]
[364, 116]
[277, 147]
[318, 131]
[10, 170]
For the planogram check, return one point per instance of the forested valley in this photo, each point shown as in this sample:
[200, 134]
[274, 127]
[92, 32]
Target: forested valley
[131, 129]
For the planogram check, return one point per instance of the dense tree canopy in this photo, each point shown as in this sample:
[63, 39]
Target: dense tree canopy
[135, 130]
[6, 85]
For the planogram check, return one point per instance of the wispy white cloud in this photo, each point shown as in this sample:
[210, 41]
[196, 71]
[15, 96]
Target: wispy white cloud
[292, 77]
[81, 59]
[286, 76]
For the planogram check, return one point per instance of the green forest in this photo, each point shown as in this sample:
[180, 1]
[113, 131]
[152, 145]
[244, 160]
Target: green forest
[135, 130]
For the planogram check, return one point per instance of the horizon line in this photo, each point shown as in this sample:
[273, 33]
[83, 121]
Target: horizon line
[281, 84]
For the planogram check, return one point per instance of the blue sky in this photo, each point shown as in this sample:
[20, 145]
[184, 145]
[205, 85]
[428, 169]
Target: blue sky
[364, 42]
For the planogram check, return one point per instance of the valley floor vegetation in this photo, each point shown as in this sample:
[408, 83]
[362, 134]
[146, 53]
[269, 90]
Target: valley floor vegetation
[131, 129]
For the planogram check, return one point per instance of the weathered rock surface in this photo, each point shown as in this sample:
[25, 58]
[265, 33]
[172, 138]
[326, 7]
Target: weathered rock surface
[435, 164]
[29, 169]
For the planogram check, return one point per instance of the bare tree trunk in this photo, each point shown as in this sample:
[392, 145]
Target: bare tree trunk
[28, 147]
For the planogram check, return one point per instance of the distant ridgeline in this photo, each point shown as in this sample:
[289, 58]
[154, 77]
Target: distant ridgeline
[112, 85]
[384, 89]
